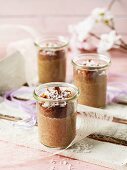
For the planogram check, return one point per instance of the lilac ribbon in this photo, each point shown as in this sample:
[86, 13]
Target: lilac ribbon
[114, 91]
[26, 105]
[120, 75]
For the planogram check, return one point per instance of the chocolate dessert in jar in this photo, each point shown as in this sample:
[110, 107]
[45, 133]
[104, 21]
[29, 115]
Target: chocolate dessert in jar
[52, 59]
[90, 76]
[56, 113]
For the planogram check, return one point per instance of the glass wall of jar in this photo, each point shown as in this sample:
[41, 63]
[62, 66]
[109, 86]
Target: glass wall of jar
[56, 113]
[52, 59]
[90, 76]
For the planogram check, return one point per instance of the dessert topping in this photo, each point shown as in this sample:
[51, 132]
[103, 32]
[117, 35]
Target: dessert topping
[56, 93]
[52, 44]
[92, 63]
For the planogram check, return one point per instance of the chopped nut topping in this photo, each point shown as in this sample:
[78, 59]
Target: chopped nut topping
[56, 93]
[58, 89]
[44, 96]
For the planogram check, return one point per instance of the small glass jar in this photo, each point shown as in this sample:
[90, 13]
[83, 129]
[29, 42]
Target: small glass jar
[90, 76]
[52, 59]
[56, 117]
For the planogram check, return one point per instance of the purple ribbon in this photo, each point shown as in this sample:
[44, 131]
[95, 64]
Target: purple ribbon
[114, 91]
[26, 105]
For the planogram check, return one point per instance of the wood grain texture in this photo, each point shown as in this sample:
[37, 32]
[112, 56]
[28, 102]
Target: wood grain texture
[54, 16]
[54, 25]
[108, 139]
[57, 7]
[92, 136]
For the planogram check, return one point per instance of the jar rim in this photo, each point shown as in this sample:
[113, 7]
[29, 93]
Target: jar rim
[61, 40]
[55, 84]
[92, 55]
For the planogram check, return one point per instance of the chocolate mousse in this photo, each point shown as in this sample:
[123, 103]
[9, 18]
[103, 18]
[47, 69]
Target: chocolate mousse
[52, 61]
[56, 117]
[91, 78]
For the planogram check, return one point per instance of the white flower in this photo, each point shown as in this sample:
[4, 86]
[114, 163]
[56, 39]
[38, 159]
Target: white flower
[80, 33]
[83, 28]
[107, 41]
[74, 43]
[101, 15]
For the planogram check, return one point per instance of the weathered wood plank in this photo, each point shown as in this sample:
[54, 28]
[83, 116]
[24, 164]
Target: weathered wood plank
[57, 7]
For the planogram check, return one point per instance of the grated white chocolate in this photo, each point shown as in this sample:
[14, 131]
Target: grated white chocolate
[56, 93]
[92, 63]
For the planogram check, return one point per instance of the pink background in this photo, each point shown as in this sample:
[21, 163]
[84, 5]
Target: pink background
[53, 17]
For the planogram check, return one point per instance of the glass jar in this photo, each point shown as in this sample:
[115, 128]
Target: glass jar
[56, 115]
[90, 76]
[52, 59]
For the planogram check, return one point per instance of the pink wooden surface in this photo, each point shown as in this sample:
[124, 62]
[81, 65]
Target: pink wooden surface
[49, 17]
[54, 16]
[56, 7]
[14, 157]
